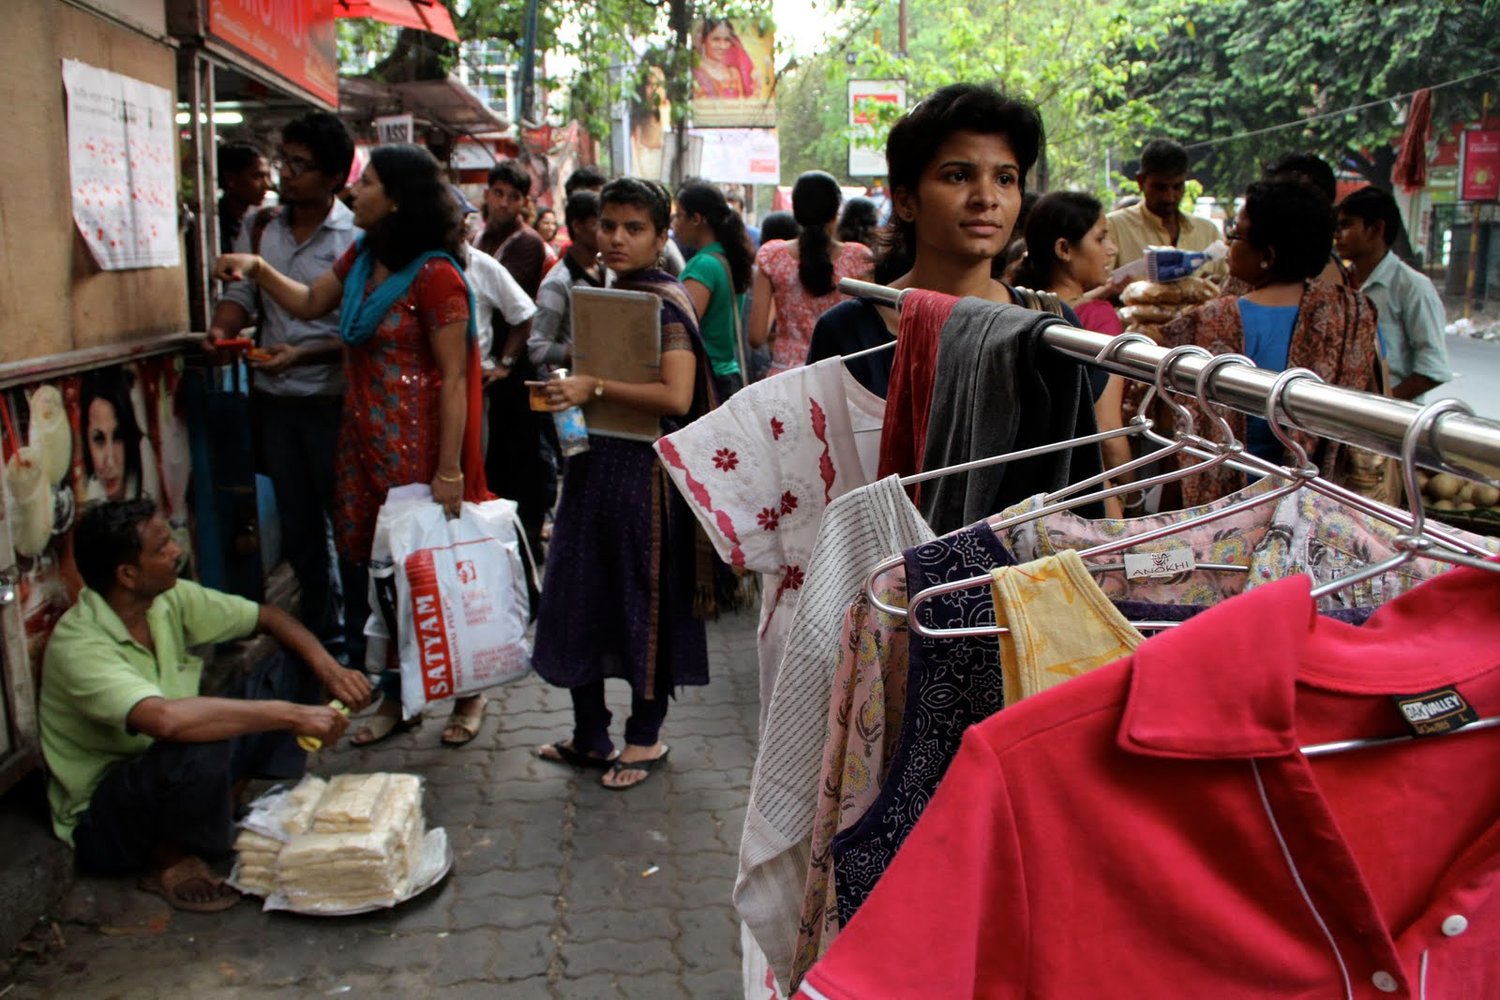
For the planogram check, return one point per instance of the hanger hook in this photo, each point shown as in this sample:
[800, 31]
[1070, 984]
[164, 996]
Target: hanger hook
[1108, 351]
[1204, 383]
[1164, 368]
[1423, 425]
[1276, 413]
[1107, 354]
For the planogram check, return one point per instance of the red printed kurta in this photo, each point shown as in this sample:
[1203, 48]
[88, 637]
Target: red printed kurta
[391, 426]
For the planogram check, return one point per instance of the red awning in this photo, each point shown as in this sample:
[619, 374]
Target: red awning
[423, 15]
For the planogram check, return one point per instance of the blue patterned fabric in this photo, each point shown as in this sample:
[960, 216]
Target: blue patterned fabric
[951, 684]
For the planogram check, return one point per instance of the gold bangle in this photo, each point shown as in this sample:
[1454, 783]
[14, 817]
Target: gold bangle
[450, 479]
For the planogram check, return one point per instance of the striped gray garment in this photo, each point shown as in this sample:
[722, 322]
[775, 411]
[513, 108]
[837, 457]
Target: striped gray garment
[859, 529]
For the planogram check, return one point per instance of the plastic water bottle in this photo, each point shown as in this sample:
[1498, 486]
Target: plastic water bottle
[572, 432]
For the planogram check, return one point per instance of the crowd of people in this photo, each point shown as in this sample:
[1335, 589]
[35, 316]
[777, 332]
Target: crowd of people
[399, 337]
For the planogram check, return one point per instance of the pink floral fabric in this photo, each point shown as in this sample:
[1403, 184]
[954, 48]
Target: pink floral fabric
[864, 726]
[759, 471]
[797, 312]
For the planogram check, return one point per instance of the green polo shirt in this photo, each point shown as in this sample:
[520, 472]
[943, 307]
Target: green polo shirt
[709, 269]
[94, 673]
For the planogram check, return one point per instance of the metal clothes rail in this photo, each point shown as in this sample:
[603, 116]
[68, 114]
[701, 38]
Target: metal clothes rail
[1458, 443]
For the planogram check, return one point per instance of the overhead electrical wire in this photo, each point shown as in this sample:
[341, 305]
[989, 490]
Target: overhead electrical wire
[1334, 114]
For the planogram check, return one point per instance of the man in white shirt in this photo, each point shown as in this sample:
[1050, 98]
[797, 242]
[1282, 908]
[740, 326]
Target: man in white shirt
[1411, 316]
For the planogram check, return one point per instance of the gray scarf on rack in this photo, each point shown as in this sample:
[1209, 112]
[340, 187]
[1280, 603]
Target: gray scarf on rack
[998, 388]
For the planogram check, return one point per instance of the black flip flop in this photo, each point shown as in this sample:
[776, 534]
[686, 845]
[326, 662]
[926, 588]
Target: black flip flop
[568, 755]
[648, 766]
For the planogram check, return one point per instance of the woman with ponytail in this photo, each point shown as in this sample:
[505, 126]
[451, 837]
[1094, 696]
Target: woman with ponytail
[717, 277]
[799, 281]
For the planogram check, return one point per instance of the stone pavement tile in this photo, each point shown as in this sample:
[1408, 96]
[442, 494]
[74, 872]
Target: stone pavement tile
[710, 800]
[505, 912]
[653, 986]
[428, 912]
[529, 738]
[455, 772]
[535, 988]
[543, 849]
[515, 761]
[707, 933]
[516, 884]
[705, 864]
[396, 951]
[723, 983]
[705, 892]
[712, 779]
[621, 957]
[620, 925]
[599, 986]
[482, 850]
[485, 953]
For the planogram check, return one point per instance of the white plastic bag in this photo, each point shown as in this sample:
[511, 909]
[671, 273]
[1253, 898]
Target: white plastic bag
[461, 604]
[381, 623]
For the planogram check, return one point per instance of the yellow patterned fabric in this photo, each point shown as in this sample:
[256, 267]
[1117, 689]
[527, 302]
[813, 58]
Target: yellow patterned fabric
[1061, 624]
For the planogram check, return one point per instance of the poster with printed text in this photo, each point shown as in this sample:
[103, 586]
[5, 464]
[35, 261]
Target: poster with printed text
[121, 172]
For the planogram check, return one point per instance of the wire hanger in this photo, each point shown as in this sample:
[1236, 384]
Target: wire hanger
[1413, 543]
[1295, 479]
[1132, 429]
[1138, 426]
[865, 352]
[1183, 434]
[1257, 466]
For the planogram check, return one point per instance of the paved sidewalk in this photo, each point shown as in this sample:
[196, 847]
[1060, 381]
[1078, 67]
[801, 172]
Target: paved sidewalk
[547, 898]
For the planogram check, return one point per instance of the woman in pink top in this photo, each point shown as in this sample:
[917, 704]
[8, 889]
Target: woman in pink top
[800, 280]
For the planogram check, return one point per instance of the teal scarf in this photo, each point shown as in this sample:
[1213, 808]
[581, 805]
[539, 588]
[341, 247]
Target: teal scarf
[360, 315]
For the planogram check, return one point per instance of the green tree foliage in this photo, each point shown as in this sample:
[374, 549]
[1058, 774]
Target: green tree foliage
[1230, 67]
[615, 49]
[1062, 55]
[812, 113]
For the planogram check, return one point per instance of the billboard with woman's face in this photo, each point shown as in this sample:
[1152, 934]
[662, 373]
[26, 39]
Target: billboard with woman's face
[109, 434]
[734, 74]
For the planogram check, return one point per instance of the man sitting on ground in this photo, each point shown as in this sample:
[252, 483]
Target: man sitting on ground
[145, 772]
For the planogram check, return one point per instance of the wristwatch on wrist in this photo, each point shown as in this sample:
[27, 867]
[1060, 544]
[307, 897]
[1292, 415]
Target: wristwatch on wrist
[509, 361]
[599, 388]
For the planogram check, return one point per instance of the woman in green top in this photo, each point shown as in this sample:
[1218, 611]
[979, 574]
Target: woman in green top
[717, 277]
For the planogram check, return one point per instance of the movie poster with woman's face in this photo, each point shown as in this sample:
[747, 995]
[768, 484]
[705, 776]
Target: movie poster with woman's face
[734, 74]
[108, 434]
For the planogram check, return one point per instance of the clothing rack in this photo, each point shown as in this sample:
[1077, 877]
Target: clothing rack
[1464, 445]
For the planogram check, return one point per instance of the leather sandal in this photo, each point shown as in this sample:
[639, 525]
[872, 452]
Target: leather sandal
[469, 722]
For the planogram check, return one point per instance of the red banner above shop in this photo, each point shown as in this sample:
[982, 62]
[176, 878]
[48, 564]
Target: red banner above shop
[292, 39]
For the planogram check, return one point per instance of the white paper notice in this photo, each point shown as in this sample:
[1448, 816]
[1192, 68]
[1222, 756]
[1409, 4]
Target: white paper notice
[121, 143]
[1156, 564]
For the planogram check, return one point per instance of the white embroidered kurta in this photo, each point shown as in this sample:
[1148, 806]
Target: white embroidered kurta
[759, 471]
[861, 528]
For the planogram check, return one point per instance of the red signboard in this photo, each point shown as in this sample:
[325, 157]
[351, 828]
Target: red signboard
[294, 39]
[1479, 166]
